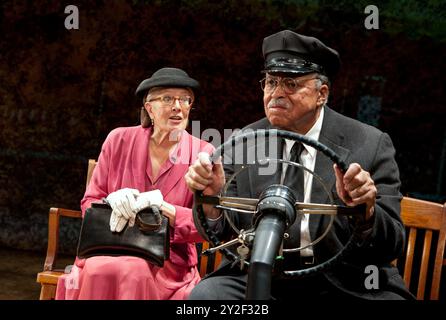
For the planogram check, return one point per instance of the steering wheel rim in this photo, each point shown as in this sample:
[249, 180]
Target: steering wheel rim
[209, 235]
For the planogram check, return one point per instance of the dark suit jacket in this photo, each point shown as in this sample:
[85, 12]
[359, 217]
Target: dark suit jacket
[353, 141]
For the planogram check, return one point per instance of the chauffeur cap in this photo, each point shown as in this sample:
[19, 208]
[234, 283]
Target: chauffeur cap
[290, 52]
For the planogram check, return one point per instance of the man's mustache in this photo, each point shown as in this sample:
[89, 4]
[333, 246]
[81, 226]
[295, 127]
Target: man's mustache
[278, 103]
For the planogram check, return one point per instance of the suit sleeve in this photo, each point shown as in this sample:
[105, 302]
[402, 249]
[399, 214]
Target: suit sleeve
[185, 229]
[221, 227]
[386, 240]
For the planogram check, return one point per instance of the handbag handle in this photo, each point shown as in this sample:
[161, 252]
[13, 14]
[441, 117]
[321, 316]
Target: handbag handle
[145, 226]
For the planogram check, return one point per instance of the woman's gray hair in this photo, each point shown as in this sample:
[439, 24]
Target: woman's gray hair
[145, 118]
[146, 121]
[144, 115]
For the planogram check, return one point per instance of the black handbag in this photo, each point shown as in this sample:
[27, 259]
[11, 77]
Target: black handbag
[147, 239]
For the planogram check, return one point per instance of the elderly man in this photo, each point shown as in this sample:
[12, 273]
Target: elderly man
[298, 70]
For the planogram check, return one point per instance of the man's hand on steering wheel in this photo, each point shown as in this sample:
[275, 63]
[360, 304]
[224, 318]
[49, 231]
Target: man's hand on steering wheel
[208, 177]
[356, 187]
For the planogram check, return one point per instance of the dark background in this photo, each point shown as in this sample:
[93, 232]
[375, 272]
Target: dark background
[62, 91]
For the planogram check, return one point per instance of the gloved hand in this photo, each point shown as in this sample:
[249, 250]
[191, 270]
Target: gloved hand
[148, 199]
[123, 204]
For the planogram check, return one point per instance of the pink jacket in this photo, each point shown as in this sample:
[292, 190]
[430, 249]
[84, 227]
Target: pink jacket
[123, 163]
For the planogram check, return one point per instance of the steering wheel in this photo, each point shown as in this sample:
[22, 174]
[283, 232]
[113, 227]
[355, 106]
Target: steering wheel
[276, 202]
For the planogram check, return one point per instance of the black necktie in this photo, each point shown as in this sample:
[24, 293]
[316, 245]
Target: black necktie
[294, 176]
[294, 179]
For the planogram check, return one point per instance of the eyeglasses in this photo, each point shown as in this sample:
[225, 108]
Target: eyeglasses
[289, 85]
[168, 101]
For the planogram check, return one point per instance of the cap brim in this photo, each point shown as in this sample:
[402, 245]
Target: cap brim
[297, 71]
[283, 64]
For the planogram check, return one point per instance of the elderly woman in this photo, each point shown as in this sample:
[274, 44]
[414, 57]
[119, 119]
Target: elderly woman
[137, 167]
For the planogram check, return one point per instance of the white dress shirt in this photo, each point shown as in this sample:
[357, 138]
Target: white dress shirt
[307, 159]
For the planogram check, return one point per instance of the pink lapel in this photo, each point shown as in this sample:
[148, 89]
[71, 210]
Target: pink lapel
[139, 157]
[182, 162]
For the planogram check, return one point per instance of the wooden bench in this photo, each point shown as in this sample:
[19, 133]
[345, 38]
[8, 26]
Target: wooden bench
[427, 219]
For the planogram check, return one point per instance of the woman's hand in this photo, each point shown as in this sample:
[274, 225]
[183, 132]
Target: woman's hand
[123, 204]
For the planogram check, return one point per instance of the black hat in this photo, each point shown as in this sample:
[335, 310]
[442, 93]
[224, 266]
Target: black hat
[290, 52]
[168, 77]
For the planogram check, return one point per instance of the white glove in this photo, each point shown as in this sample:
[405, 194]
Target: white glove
[123, 204]
[148, 199]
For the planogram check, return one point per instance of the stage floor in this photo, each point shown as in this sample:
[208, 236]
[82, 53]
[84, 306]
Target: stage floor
[18, 272]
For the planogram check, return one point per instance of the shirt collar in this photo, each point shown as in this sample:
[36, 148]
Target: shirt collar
[313, 133]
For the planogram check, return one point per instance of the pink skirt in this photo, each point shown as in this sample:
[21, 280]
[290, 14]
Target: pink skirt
[126, 278]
